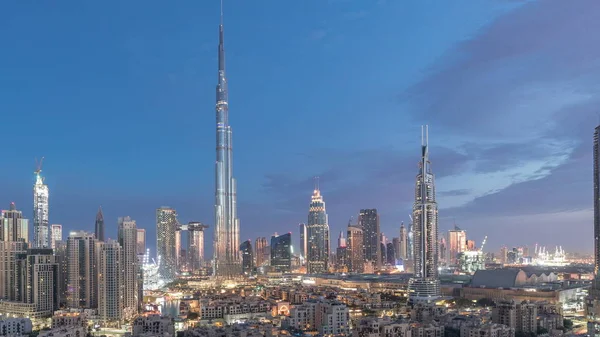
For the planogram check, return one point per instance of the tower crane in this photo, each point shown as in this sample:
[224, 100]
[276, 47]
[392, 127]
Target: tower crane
[38, 169]
[483, 244]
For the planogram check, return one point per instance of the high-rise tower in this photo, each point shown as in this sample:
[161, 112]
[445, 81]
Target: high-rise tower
[227, 261]
[317, 256]
[403, 249]
[368, 220]
[99, 225]
[41, 229]
[593, 300]
[166, 226]
[12, 225]
[425, 285]
[129, 265]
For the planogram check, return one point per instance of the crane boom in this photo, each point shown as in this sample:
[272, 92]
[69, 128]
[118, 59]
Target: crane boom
[483, 244]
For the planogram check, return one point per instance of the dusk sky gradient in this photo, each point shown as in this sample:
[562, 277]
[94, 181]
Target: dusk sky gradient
[119, 97]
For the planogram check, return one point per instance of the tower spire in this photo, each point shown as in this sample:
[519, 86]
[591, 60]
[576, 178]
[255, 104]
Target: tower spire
[221, 42]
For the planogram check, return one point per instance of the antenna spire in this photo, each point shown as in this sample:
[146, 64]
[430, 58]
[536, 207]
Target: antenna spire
[316, 183]
[221, 12]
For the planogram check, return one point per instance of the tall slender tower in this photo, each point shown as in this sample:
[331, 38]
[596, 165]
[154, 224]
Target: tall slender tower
[99, 226]
[166, 227]
[593, 300]
[227, 261]
[317, 256]
[425, 284]
[41, 229]
[129, 265]
[368, 220]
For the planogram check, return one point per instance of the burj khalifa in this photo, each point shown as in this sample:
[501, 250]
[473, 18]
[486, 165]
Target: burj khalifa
[227, 260]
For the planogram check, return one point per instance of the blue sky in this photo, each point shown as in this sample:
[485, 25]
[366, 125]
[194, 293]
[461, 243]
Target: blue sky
[119, 98]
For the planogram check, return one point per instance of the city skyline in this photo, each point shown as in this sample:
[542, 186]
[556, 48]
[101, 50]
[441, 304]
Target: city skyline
[500, 158]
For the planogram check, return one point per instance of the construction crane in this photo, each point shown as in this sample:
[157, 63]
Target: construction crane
[483, 244]
[38, 167]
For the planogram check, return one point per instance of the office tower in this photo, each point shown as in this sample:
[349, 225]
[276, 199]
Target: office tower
[111, 293]
[341, 254]
[457, 242]
[504, 255]
[61, 258]
[355, 250]
[403, 251]
[368, 220]
[13, 226]
[82, 286]
[259, 250]
[471, 247]
[281, 252]
[39, 280]
[318, 235]
[396, 243]
[9, 282]
[140, 241]
[56, 234]
[178, 252]
[166, 226]
[424, 286]
[129, 264]
[390, 254]
[227, 226]
[303, 240]
[247, 257]
[99, 225]
[383, 250]
[41, 231]
[196, 245]
[593, 300]
[443, 251]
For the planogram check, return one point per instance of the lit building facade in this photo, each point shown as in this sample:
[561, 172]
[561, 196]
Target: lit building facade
[41, 230]
[368, 220]
[425, 284]
[317, 257]
[457, 243]
[111, 293]
[56, 234]
[141, 241]
[166, 249]
[195, 248]
[82, 288]
[129, 264]
[281, 252]
[260, 246]
[403, 246]
[303, 240]
[227, 261]
[247, 257]
[13, 226]
[355, 249]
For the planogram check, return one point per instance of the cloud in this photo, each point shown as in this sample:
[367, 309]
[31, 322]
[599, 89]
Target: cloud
[519, 101]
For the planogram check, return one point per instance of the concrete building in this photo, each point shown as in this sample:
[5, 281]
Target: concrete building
[55, 234]
[326, 317]
[82, 290]
[111, 294]
[72, 331]
[153, 324]
[15, 326]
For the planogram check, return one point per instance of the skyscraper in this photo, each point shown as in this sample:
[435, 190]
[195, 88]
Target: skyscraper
[260, 246]
[196, 245]
[129, 264]
[425, 284]
[355, 249]
[82, 278]
[166, 226]
[368, 220]
[141, 241]
[281, 252]
[37, 279]
[99, 225]
[457, 242]
[111, 294]
[227, 226]
[317, 257]
[403, 253]
[12, 225]
[303, 241]
[62, 259]
[41, 230]
[247, 257]
[593, 300]
[55, 234]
